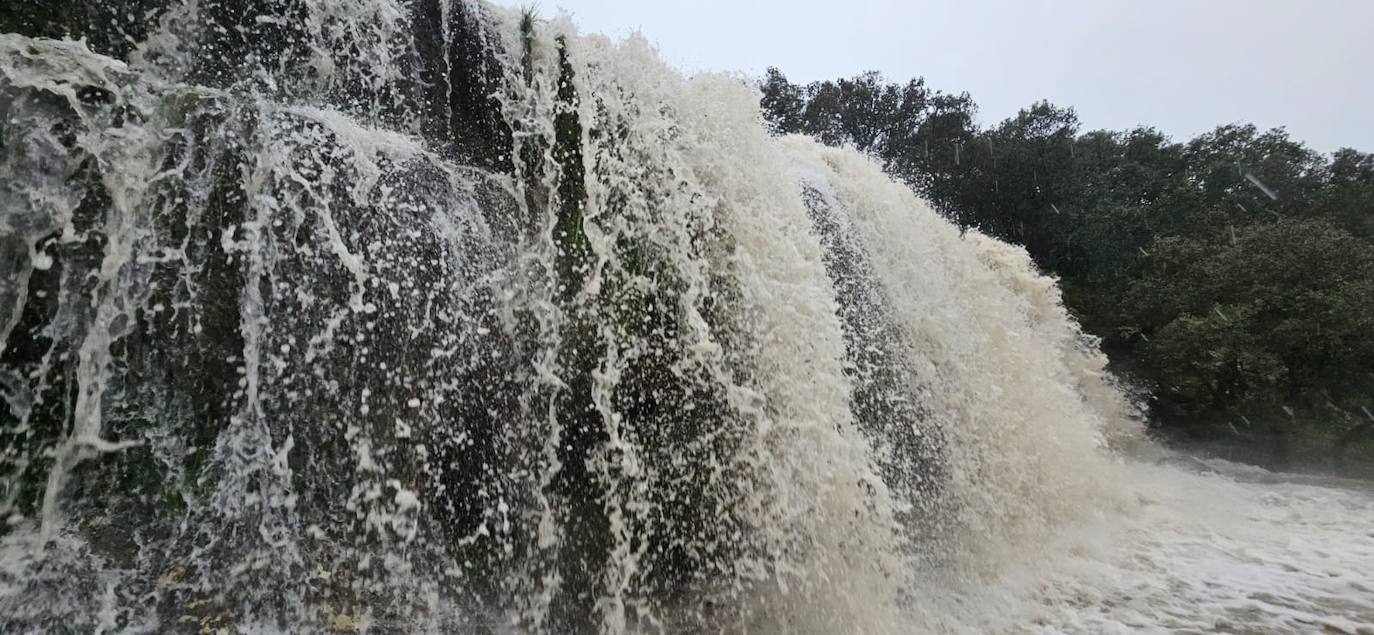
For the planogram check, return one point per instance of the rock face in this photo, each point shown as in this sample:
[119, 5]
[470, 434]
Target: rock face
[231, 327]
[365, 314]
[888, 393]
[240, 335]
[270, 340]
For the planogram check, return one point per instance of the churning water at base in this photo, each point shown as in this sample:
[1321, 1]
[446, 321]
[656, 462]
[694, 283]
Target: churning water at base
[417, 316]
[1204, 548]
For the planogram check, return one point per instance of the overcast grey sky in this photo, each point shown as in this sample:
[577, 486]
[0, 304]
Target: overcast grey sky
[1183, 66]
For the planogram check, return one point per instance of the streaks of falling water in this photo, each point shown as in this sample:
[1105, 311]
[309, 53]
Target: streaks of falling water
[429, 316]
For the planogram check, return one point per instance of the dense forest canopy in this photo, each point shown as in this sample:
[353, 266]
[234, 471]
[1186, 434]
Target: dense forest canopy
[1231, 276]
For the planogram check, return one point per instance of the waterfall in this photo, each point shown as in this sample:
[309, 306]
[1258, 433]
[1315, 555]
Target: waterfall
[397, 316]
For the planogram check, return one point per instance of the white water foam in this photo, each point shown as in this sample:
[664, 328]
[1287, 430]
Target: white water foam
[1210, 550]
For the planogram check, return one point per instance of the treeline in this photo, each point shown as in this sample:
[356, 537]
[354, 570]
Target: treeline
[1231, 275]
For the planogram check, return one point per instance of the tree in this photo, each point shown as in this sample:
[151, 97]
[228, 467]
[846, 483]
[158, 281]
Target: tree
[782, 102]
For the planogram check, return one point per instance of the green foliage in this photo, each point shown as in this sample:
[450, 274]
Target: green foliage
[1232, 274]
[1281, 312]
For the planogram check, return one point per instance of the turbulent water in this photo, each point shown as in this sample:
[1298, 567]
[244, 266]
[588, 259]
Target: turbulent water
[420, 316]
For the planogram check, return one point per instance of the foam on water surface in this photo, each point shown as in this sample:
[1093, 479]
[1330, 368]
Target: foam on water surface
[1198, 551]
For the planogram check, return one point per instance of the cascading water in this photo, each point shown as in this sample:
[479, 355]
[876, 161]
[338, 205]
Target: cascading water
[398, 316]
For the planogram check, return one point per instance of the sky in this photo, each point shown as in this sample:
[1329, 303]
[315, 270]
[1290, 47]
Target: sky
[1183, 66]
